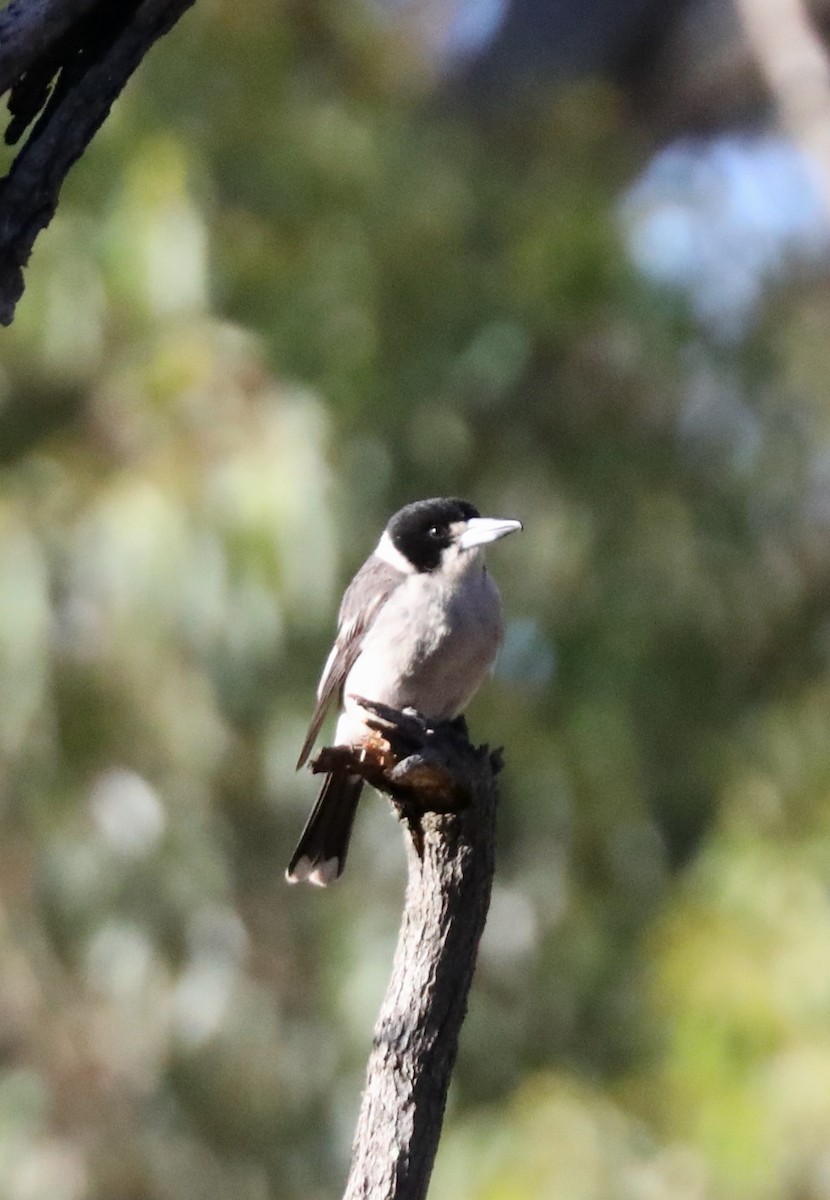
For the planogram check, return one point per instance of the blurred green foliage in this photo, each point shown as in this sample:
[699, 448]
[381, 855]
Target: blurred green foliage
[291, 287]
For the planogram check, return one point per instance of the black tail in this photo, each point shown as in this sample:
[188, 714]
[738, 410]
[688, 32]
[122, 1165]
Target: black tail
[321, 851]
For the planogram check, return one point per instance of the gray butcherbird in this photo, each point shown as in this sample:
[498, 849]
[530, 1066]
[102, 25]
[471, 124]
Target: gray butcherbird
[419, 627]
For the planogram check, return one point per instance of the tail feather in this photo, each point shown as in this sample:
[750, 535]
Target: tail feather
[321, 851]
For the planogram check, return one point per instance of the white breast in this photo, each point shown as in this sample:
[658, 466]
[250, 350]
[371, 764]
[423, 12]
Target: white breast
[430, 648]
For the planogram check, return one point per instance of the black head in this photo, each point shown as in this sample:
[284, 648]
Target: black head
[423, 530]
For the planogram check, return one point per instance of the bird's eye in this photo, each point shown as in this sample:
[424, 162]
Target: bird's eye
[435, 531]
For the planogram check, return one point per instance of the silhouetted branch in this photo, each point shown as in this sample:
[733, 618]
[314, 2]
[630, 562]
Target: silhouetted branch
[66, 60]
[28, 27]
[445, 791]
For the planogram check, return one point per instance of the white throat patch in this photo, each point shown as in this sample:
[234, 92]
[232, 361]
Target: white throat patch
[390, 554]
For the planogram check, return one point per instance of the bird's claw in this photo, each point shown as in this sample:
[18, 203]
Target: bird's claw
[415, 761]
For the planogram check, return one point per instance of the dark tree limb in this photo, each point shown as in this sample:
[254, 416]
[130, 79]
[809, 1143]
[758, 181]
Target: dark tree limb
[445, 791]
[28, 28]
[67, 60]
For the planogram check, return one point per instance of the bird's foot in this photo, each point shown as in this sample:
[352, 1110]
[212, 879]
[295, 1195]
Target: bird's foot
[418, 762]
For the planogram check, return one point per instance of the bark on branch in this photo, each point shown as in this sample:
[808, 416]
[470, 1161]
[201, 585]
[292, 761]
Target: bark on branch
[445, 791]
[65, 62]
[28, 29]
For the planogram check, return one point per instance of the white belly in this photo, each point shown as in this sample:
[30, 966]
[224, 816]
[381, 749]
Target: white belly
[429, 649]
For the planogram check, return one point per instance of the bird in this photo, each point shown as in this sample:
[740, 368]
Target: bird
[419, 628]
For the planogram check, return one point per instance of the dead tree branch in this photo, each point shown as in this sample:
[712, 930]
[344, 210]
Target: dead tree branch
[445, 791]
[27, 30]
[64, 62]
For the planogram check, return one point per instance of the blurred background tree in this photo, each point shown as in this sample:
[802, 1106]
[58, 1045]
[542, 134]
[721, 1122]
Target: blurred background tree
[325, 258]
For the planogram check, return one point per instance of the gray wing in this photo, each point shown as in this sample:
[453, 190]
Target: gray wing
[365, 596]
